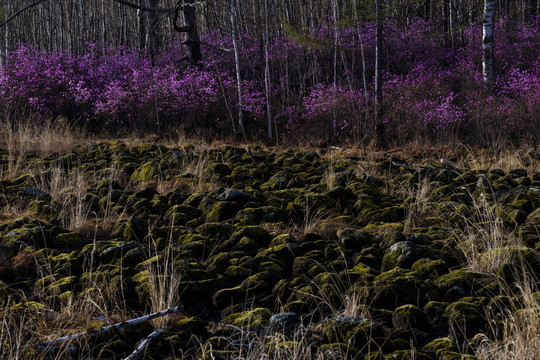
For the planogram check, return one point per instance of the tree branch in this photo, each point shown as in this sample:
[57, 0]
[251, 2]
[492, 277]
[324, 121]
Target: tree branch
[35, 3]
[179, 6]
[144, 344]
[118, 326]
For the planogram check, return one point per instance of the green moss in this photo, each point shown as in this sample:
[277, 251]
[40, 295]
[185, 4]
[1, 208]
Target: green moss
[181, 214]
[252, 319]
[430, 269]
[71, 239]
[145, 172]
[353, 239]
[221, 211]
[410, 317]
[465, 318]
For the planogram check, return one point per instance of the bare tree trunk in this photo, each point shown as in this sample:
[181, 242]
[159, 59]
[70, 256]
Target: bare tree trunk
[378, 76]
[3, 17]
[267, 73]
[238, 75]
[192, 40]
[487, 42]
[141, 26]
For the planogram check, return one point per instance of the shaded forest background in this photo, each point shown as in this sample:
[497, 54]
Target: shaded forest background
[305, 69]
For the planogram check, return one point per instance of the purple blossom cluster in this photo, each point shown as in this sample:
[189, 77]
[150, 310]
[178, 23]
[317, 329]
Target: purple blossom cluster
[432, 85]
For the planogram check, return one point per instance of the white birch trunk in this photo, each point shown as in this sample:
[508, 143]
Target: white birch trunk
[238, 75]
[487, 42]
[267, 72]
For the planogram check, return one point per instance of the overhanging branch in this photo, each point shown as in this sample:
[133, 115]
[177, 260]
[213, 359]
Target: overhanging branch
[179, 6]
[35, 3]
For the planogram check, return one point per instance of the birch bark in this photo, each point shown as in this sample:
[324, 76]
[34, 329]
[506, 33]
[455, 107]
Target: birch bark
[487, 42]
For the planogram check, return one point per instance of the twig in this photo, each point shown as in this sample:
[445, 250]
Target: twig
[35, 3]
[108, 328]
[144, 344]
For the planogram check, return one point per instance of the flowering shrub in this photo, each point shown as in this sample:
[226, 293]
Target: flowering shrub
[431, 90]
[330, 111]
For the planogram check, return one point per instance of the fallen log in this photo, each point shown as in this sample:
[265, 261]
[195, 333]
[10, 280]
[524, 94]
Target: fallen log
[55, 342]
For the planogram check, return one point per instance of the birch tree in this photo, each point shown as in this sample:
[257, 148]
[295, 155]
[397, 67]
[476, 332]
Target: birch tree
[378, 75]
[487, 42]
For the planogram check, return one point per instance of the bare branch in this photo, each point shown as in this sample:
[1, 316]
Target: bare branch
[179, 6]
[118, 326]
[35, 3]
[144, 344]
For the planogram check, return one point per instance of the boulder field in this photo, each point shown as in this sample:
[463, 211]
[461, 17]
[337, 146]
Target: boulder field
[270, 253]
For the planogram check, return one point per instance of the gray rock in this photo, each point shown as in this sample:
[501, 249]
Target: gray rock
[36, 193]
[237, 196]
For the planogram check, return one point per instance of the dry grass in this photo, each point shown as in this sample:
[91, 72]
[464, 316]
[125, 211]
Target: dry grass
[163, 282]
[515, 331]
[484, 240]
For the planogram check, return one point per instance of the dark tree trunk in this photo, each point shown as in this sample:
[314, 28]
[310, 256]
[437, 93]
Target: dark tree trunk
[192, 40]
[378, 77]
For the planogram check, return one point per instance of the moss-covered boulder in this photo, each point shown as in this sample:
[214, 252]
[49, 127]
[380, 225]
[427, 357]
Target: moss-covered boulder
[408, 317]
[181, 214]
[353, 330]
[252, 319]
[465, 319]
[460, 283]
[145, 172]
[221, 211]
[67, 240]
[399, 287]
[354, 239]
[430, 269]
[402, 254]
[256, 216]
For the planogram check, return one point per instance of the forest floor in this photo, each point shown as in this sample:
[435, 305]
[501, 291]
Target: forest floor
[278, 253]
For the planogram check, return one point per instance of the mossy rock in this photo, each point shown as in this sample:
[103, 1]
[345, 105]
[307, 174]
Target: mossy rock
[67, 240]
[399, 287]
[261, 283]
[257, 233]
[463, 283]
[430, 269]
[534, 217]
[65, 263]
[285, 253]
[410, 317]
[236, 274]
[354, 239]
[181, 214]
[465, 319]
[440, 346]
[145, 172]
[221, 211]
[230, 296]
[136, 229]
[29, 235]
[221, 261]
[353, 330]
[529, 234]
[252, 319]
[264, 214]
[316, 202]
[402, 254]
[216, 230]
[47, 209]
[188, 332]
